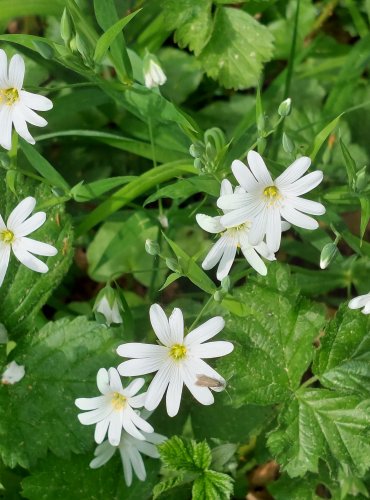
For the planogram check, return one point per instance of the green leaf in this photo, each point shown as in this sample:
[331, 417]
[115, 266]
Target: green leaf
[212, 485]
[343, 359]
[322, 136]
[185, 188]
[191, 20]
[169, 484]
[17, 8]
[237, 49]
[106, 40]
[58, 479]
[350, 164]
[38, 413]
[42, 166]
[93, 190]
[273, 338]
[178, 454]
[320, 424]
[19, 309]
[365, 214]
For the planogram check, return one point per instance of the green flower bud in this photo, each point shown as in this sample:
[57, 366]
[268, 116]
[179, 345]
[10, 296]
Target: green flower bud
[108, 305]
[66, 27]
[328, 253]
[151, 247]
[288, 144]
[285, 107]
[361, 179]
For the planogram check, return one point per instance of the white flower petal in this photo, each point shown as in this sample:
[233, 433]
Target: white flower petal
[94, 416]
[174, 391]
[30, 225]
[133, 387]
[305, 184]
[209, 224]
[254, 259]
[38, 247]
[90, 403]
[16, 71]
[100, 432]
[236, 217]
[293, 172]
[158, 386]
[264, 250]
[115, 427]
[215, 254]
[205, 331]
[35, 101]
[258, 229]
[32, 117]
[227, 260]
[366, 309]
[138, 350]
[234, 201]
[244, 176]
[138, 401]
[258, 168]
[176, 322]
[137, 463]
[102, 381]
[103, 453]
[212, 349]
[141, 366]
[160, 324]
[4, 260]
[13, 373]
[201, 394]
[115, 380]
[359, 301]
[129, 425]
[140, 422]
[20, 125]
[28, 260]
[226, 188]
[21, 212]
[3, 69]
[298, 218]
[273, 229]
[6, 120]
[127, 467]
[149, 449]
[307, 206]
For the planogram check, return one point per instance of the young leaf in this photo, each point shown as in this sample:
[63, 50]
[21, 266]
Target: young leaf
[178, 454]
[343, 359]
[321, 424]
[38, 413]
[350, 164]
[212, 485]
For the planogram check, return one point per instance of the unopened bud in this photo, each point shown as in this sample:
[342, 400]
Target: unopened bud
[153, 73]
[225, 284]
[173, 265]
[361, 180]
[66, 27]
[163, 220]
[151, 247]
[108, 304]
[285, 107]
[288, 144]
[219, 295]
[328, 253]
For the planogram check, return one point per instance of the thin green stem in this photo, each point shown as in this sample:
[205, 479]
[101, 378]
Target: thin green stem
[310, 381]
[152, 287]
[202, 311]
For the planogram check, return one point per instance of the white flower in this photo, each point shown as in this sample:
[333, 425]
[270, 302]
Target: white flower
[153, 73]
[13, 373]
[13, 237]
[232, 238]
[16, 105]
[177, 361]
[361, 301]
[267, 201]
[108, 304]
[130, 450]
[114, 409]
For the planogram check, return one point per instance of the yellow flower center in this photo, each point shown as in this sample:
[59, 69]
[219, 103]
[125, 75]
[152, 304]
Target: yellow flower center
[178, 351]
[9, 96]
[271, 192]
[7, 236]
[118, 401]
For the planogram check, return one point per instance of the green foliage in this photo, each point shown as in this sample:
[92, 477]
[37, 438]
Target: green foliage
[38, 413]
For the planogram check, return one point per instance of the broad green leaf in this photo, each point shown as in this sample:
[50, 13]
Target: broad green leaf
[178, 454]
[58, 479]
[343, 360]
[213, 485]
[106, 40]
[191, 20]
[169, 484]
[93, 190]
[185, 188]
[321, 424]
[237, 49]
[294, 489]
[43, 167]
[273, 329]
[19, 309]
[119, 247]
[38, 413]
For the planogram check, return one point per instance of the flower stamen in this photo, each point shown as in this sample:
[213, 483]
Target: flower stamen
[118, 401]
[178, 351]
[9, 96]
[271, 192]
[7, 236]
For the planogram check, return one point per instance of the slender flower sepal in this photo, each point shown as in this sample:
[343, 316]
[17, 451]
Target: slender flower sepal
[17, 107]
[13, 237]
[130, 450]
[231, 239]
[109, 305]
[114, 409]
[267, 201]
[177, 360]
[362, 301]
[13, 373]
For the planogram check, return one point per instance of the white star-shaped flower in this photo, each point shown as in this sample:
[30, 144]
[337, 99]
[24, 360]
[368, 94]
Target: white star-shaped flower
[13, 237]
[232, 238]
[130, 450]
[177, 360]
[17, 105]
[113, 410]
[267, 201]
[359, 302]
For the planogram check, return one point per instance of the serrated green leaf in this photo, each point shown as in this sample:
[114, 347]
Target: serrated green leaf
[24, 292]
[178, 454]
[321, 424]
[38, 413]
[58, 479]
[212, 485]
[343, 360]
[273, 339]
[169, 484]
[191, 20]
[237, 49]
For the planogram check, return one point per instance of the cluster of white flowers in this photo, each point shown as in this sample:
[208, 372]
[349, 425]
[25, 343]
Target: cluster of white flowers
[178, 360]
